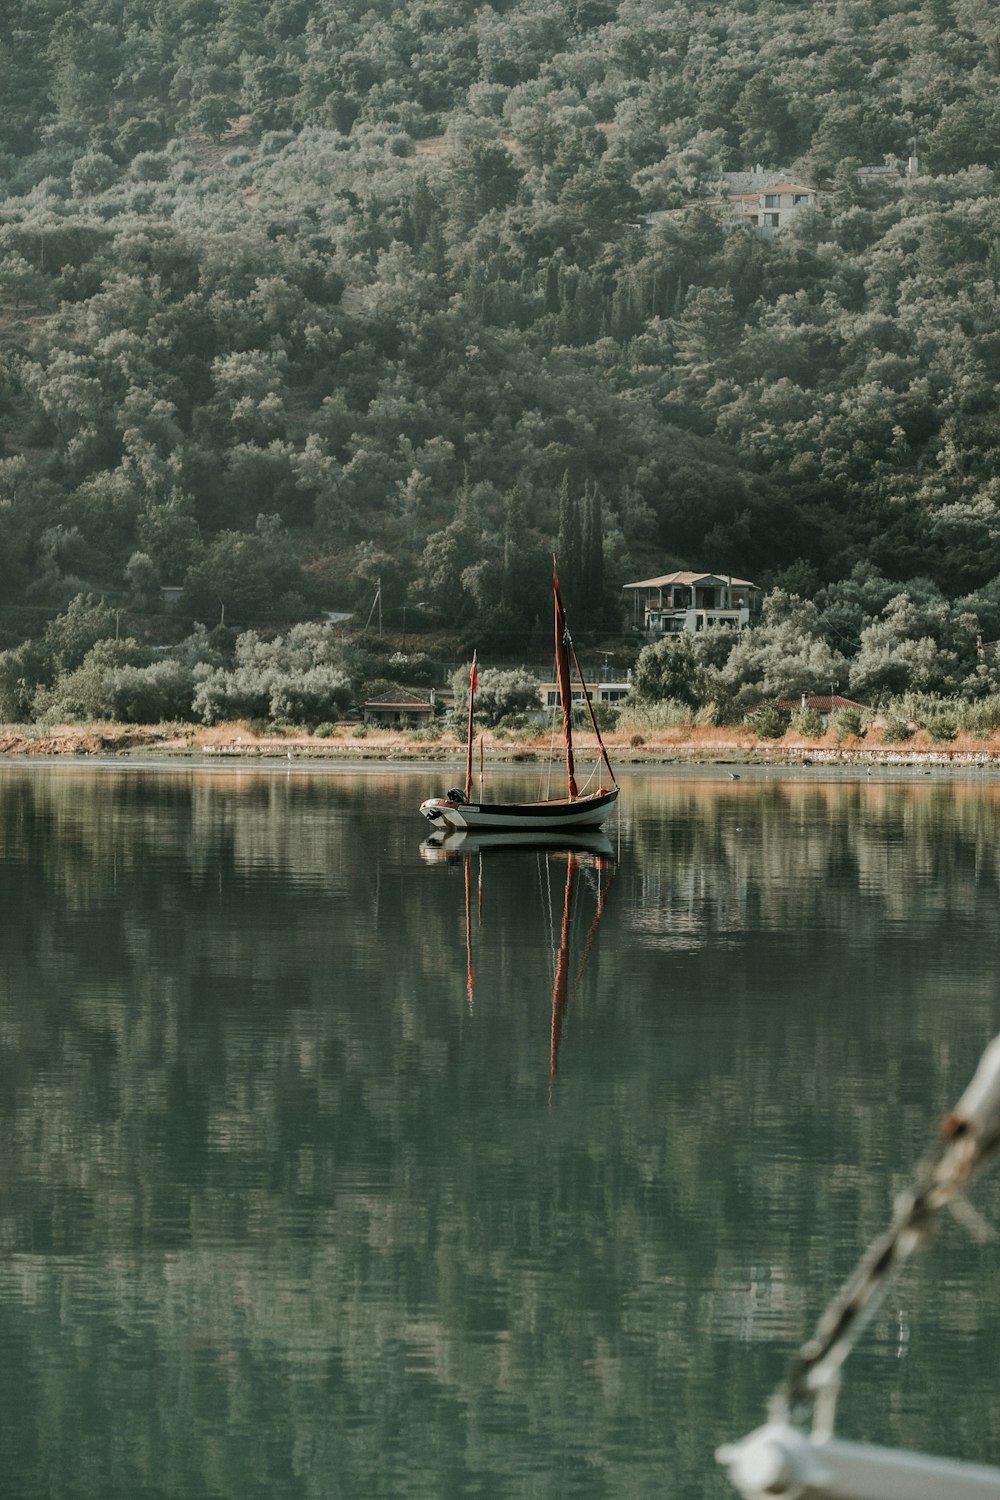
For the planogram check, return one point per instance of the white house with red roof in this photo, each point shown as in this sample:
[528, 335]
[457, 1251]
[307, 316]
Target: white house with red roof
[767, 199]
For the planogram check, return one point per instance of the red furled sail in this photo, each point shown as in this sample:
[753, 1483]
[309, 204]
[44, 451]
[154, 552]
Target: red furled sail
[563, 678]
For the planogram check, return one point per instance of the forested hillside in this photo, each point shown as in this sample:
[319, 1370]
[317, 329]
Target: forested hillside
[298, 296]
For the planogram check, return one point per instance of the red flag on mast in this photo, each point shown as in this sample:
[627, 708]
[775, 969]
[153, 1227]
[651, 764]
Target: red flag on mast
[474, 674]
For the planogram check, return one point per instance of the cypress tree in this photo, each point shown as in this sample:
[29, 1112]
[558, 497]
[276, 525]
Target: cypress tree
[513, 549]
[552, 288]
[570, 544]
[592, 581]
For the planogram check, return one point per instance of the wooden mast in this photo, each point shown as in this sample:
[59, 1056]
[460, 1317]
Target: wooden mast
[563, 678]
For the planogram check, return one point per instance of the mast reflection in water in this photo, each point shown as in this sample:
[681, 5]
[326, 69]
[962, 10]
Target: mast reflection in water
[582, 854]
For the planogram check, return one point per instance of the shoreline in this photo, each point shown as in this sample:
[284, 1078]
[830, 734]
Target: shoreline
[705, 748]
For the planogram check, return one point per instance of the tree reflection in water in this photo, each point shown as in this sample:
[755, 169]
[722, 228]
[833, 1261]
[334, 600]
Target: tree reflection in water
[282, 1215]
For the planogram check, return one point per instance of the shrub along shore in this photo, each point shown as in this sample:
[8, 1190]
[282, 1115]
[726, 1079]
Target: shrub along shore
[685, 745]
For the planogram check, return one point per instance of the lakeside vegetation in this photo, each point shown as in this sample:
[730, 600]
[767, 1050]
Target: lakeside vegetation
[312, 682]
[298, 303]
[669, 736]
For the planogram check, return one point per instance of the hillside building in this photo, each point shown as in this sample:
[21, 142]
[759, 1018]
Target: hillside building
[689, 602]
[766, 199]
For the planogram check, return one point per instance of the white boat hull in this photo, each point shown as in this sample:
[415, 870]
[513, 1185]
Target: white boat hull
[561, 815]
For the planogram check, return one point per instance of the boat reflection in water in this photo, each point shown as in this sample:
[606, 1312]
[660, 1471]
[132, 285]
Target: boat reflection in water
[457, 842]
[589, 857]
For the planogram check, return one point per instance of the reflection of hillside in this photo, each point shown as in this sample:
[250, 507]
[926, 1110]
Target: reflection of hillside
[277, 1206]
[712, 859]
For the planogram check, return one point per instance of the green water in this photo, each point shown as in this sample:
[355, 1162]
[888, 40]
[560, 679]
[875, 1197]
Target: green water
[306, 1192]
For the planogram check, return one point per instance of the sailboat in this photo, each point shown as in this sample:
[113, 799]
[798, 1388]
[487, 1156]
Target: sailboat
[572, 812]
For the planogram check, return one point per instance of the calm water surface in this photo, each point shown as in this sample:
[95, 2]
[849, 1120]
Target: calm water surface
[308, 1189]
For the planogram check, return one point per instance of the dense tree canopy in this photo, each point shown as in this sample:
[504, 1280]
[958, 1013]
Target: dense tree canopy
[286, 287]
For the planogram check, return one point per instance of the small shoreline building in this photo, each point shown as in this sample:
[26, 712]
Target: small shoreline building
[824, 704]
[399, 710]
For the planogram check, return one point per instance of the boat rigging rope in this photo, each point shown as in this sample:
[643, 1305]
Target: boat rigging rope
[592, 776]
[545, 887]
[546, 782]
[969, 1138]
[551, 755]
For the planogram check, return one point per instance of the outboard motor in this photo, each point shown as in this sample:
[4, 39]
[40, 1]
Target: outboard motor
[456, 794]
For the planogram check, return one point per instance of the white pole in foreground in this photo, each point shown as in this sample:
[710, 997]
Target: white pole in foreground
[779, 1462]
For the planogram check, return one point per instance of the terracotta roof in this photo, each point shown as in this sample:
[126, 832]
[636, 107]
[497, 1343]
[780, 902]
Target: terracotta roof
[822, 703]
[401, 699]
[689, 579]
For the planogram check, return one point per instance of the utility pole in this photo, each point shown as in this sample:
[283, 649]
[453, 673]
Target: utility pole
[376, 604]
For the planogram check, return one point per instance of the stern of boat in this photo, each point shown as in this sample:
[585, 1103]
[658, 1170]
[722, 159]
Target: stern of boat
[442, 814]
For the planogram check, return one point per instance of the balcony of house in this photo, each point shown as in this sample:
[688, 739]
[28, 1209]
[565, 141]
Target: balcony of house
[690, 621]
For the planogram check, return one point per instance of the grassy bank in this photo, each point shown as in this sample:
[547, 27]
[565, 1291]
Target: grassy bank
[682, 745]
